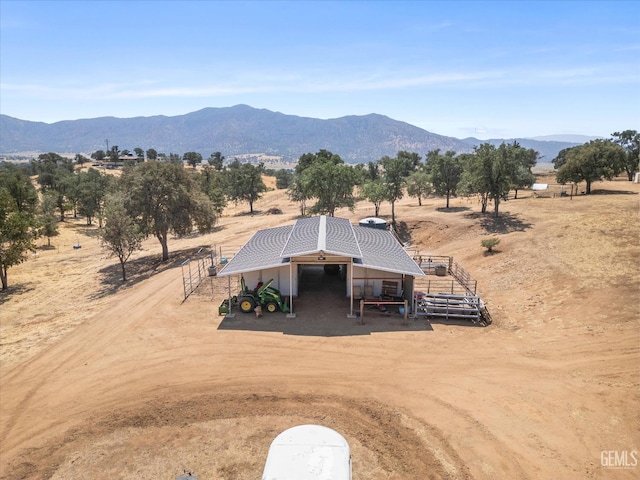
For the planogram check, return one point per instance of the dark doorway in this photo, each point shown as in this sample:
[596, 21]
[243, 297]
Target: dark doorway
[322, 279]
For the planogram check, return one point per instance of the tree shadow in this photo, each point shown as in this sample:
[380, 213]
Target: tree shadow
[452, 209]
[403, 232]
[195, 233]
[612, 192]
[91, 231]
[505, 223]
[248, 214]
[13, 290]
[141, 269]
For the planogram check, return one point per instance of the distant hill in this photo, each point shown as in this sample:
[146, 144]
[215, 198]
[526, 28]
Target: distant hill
[548, 150]
[580, 139]
[240, 131]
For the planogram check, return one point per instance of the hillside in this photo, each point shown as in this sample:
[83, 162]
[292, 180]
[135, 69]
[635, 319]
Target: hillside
[100, 380]
[239, 131]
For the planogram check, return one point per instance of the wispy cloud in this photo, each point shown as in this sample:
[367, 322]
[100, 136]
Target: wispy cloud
[312, 82]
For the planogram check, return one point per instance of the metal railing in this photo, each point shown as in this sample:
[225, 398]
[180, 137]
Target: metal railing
[195, 270]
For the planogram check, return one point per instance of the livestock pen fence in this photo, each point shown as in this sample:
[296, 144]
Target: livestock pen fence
[199, 273]
[447, 291]
[197, 268]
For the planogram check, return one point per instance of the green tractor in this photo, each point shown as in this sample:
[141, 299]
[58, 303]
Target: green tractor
[265, 295]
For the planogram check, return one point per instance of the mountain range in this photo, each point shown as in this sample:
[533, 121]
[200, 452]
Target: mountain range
[245, 131]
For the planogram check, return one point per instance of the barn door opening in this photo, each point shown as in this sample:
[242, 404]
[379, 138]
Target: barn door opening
[328, 279]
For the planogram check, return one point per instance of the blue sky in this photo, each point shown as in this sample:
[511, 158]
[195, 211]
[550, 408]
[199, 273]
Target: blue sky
[485, 69]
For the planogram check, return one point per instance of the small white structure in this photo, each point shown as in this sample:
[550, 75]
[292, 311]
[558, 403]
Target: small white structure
[308, 452]
[636, 178]
[539, 187]
[373, 222]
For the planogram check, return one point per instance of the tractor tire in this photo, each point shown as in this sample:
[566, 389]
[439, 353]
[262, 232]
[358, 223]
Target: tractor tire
[272, 307]
[247, 304]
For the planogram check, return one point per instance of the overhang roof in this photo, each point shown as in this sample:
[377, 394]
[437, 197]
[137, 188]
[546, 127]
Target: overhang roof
[260, 252]
[381, 251]
[368, 247]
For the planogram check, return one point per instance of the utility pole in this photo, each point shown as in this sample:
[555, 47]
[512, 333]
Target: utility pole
[107, 140]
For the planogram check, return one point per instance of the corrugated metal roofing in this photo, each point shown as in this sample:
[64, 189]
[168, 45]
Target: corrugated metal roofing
[329, 234]
[261, 251]
[381, 251]
[303, 238]
[340, 238]
[369, 247]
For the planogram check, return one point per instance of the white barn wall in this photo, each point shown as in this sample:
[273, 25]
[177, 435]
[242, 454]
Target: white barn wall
[361, 277]
[280, 276]
[366, 276]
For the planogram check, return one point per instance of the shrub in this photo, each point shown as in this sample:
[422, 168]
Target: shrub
[489, 243]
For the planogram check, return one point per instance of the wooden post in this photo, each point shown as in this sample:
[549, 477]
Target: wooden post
[362, 312]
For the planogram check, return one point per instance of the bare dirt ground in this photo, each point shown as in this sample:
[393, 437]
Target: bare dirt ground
[100, 380]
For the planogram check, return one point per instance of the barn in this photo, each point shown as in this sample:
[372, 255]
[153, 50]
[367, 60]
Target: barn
[371, 261]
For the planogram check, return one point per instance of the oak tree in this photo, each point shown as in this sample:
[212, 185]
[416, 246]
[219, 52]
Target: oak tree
[164, 198]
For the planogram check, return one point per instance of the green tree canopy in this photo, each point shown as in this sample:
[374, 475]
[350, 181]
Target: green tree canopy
[331, 184]
[114, 153]
[92, 188]
[55, 173]
[18, 231]
[152, 154]
[120, 236]
[192, 158]
[81, 159]
[98, 155]
[216, 160]
[298, 193]
[490, 171]
[522, 176]
[325, 177]
[376, 192]
[283, 178]
[19, 186]
[244, 182]
[212, 183]
[164, 198]
[446, 172]
[395, 172]
[592, 162]
[47, 220]
[419, 185]
[630, 141]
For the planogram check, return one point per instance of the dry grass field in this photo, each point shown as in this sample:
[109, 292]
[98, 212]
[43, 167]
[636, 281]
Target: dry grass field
[100, 380]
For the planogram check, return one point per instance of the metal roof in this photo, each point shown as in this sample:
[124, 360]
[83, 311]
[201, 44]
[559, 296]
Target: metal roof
[260, 252]
[328, 234]
[368, 247]
[381, 251]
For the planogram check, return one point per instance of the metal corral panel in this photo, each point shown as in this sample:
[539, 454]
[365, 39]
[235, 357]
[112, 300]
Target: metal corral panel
[308, 452]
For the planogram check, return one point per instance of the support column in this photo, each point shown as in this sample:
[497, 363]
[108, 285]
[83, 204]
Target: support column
[291, 314]
[230, 314]
[350, 265]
